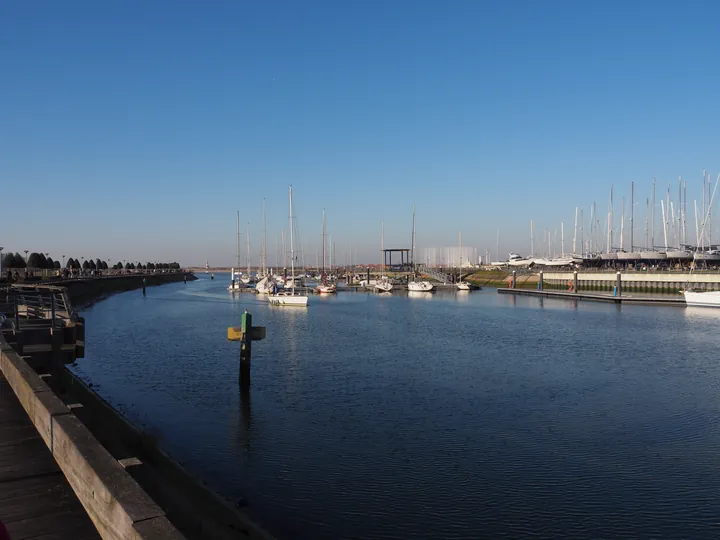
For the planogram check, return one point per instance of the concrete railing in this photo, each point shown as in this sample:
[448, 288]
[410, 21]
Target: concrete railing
[116, 504]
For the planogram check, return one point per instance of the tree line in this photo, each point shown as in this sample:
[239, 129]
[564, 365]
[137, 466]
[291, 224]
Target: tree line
[40, 261]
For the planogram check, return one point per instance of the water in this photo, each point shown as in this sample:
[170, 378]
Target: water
[475, 416]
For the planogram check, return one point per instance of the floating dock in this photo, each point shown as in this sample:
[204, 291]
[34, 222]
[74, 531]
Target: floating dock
[674, 300]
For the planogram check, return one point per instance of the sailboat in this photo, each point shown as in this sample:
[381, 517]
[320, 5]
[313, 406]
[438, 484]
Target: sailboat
[417, 286]
[325, 287]
[461, 285]
[236, 282]
[383, 285]
[289, 297]
[704, 298]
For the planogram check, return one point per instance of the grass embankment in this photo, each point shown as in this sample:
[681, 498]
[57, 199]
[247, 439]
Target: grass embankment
[500, 278]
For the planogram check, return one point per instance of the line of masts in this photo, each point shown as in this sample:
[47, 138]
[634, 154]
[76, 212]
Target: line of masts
[673, 215]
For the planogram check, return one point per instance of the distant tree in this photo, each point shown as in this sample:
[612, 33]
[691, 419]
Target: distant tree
[69, 263]
[43, 261]
[49, 263]
[19, 261]
[56, 265]
[130, 266]
[175, 266]
[9, 260]
[86, 265]
[91, 265]
[104, 265]
[98, 264]
[76, 264]
[119, 265]
[35, 260]
[150, 266]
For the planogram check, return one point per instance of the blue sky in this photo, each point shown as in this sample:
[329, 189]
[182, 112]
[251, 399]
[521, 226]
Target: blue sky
[136, 129]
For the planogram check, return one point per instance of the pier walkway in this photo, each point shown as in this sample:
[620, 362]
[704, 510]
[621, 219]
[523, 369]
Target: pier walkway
[674, 300]
[36, 500]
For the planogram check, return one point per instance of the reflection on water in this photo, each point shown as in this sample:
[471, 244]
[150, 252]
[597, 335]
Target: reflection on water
[384, 417]
[420, 295]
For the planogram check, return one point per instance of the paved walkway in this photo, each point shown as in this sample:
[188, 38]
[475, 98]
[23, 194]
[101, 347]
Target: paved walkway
[36, 502]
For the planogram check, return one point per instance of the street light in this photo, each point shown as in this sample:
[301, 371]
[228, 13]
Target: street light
[63, 261]
[26, 258]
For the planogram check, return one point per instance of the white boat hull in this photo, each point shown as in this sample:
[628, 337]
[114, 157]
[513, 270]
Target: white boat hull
[420, 286]
[680, 254]
[702, 299]
[288, 299]
[652, 255]
[463, 286]
[706, 256]
[384, 287]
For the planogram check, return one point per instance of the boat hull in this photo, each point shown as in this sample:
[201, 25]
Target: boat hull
[383, 287]
[420, 286]
[702, 299]
[288, 300]
[463, 287]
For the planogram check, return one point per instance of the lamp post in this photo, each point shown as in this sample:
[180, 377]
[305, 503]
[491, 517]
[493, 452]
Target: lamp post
[63, 265]
[26, 258]
[1, 248]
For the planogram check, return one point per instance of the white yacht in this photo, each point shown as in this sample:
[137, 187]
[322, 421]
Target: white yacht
[288, 296]
[702, 298]
[420, 286]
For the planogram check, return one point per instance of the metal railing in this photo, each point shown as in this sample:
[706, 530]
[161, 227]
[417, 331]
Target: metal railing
[35, 305]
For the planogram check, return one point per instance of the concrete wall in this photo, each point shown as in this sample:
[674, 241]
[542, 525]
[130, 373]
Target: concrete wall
[84, 291]
[117, 505]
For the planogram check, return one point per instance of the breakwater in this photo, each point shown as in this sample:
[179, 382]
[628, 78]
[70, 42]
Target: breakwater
[83, 291]
[638, 282]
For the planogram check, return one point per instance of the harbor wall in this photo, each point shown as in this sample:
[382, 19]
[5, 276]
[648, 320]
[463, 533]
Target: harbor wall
[88, 290]
[655, 283]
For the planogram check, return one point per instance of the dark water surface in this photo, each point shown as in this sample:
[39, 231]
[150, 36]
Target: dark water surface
[475, 416]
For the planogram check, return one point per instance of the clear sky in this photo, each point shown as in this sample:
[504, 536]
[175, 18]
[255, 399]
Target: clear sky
[136, 129]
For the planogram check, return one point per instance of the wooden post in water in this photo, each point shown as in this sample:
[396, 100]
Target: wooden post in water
[540, 281]
[246, 334]
[618, 284]
[514, 279]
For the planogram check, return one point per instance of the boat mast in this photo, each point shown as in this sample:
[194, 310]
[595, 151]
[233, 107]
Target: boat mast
[460, 249]
[264, 242]
[382, 247]
[610, 222]
[532, 242]
[575, 233]
[622, 225]
[323, 243]
[679, 214]
[697, 230]
[562, 238]
[238, 241]
[292, 247]
[652, 218]
[497, 245]
[632, 214]
[684, 226]
[582, 232]
[647, 204]
[412, 241]
[664, 221]
[248, 250]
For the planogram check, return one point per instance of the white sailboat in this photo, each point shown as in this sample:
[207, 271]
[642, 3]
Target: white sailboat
[461, 285]
[236, 282]
[417, 286]
[289, 297]
[704, 298]
[383, 284]
[325, 287]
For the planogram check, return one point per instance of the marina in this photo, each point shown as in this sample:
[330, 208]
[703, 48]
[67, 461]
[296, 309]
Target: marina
[373, 431]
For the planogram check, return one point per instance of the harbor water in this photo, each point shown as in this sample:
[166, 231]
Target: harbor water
[453, 415]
